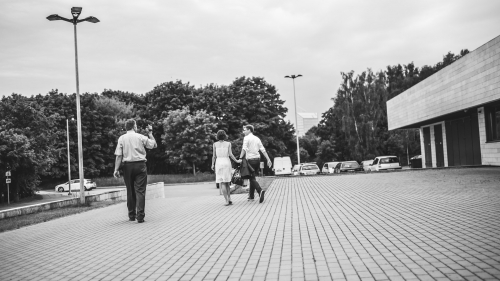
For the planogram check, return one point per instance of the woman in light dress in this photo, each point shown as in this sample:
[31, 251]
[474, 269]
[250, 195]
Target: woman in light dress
[221, 164]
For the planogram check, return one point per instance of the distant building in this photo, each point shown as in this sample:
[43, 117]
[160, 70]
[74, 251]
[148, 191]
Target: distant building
[457, 111]
[306, 121]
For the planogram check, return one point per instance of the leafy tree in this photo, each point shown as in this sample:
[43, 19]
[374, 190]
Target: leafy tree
[256, 102]
[309, 142]
[155, 106]
[357, 123]
[326, 153]
[101, 118]
[304, 155]
[26, 143]
[188, 137]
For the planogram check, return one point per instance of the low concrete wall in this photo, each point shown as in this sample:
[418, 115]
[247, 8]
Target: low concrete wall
[154, 190]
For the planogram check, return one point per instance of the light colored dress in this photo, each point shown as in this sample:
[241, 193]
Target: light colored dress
[222, 162]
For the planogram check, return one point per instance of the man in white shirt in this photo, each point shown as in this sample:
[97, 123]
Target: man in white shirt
[251, 147]
[131, 150]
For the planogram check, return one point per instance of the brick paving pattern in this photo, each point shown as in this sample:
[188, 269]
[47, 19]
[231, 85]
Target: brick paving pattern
[418, 225]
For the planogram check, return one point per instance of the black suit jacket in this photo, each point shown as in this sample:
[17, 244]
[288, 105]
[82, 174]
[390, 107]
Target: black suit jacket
[246, 169]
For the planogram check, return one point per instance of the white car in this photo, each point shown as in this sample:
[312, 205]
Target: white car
[385, 163]
[329, 167]
[366, 165]
[306, 169]
[75, 186]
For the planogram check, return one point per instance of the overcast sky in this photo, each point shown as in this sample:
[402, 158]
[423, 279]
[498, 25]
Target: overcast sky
[141, 44]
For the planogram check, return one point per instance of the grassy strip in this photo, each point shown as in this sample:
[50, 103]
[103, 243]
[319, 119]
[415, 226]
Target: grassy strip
[29, 219]
[181, 178]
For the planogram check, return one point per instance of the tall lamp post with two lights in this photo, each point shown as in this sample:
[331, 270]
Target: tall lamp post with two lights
[75, 12]
[295, 104]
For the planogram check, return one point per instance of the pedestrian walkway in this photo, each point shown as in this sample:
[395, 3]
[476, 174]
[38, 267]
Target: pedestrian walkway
[421, 225]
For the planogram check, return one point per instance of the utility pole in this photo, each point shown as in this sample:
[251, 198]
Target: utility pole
[296, 123]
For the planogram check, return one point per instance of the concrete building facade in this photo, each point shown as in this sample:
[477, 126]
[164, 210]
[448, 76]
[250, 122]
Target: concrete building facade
[306, 121]
[457, 111]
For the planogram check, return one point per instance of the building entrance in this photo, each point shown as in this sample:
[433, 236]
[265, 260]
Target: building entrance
[462, 139]
[427, 147]
[438, 141]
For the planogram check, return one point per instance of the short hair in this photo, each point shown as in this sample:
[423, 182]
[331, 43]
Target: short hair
[221, 135]
[129, 125]
[249, 127]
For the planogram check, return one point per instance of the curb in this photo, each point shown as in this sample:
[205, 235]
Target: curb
[155, 190]
[388, 171]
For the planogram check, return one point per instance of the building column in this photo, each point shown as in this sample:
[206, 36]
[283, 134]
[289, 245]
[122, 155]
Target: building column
[482, 133]
[422, 146]
[445, 144]
[433, 146]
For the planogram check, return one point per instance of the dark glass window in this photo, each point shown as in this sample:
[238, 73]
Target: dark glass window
[497, 123]
[384, 160]
[493, 123]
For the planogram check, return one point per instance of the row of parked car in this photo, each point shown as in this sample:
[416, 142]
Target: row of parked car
[283, 166]
[378, 164]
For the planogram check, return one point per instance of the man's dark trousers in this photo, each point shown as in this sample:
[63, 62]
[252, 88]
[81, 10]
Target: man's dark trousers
[254, 185]
[136, 178]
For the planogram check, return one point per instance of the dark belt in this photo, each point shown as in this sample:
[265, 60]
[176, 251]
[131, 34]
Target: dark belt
[253, 158]
[132, 162]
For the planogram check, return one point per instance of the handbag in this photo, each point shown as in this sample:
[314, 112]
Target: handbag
[236, 178]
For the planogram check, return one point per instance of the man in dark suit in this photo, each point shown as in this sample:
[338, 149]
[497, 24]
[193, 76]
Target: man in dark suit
[251, 147]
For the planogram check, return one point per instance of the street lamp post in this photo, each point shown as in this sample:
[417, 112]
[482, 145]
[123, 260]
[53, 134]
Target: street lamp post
[295, 104]
[75, 12]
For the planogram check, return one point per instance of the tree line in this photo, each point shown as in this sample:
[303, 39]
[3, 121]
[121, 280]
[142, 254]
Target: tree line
[355, 127]
[185, 120]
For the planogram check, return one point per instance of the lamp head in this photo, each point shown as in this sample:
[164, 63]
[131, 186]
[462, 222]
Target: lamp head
[90, 19]
[54, 17]
[76, 11]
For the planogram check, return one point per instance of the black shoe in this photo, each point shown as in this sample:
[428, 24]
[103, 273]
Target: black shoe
[131, 219]
[230, 203]
[140, 221]
[250, 199]
[261, 199]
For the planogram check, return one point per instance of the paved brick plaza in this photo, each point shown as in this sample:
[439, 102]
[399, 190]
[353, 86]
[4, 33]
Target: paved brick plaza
[416, 225]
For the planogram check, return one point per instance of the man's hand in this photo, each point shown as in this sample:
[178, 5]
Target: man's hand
[149, 129]
[269, 163]
[116, 174]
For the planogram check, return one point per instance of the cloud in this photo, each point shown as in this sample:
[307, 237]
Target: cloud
[140, 44]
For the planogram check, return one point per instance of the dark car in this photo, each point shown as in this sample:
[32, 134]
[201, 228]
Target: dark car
[348, 166]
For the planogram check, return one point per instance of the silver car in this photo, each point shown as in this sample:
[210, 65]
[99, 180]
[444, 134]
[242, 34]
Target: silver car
[385, 163]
